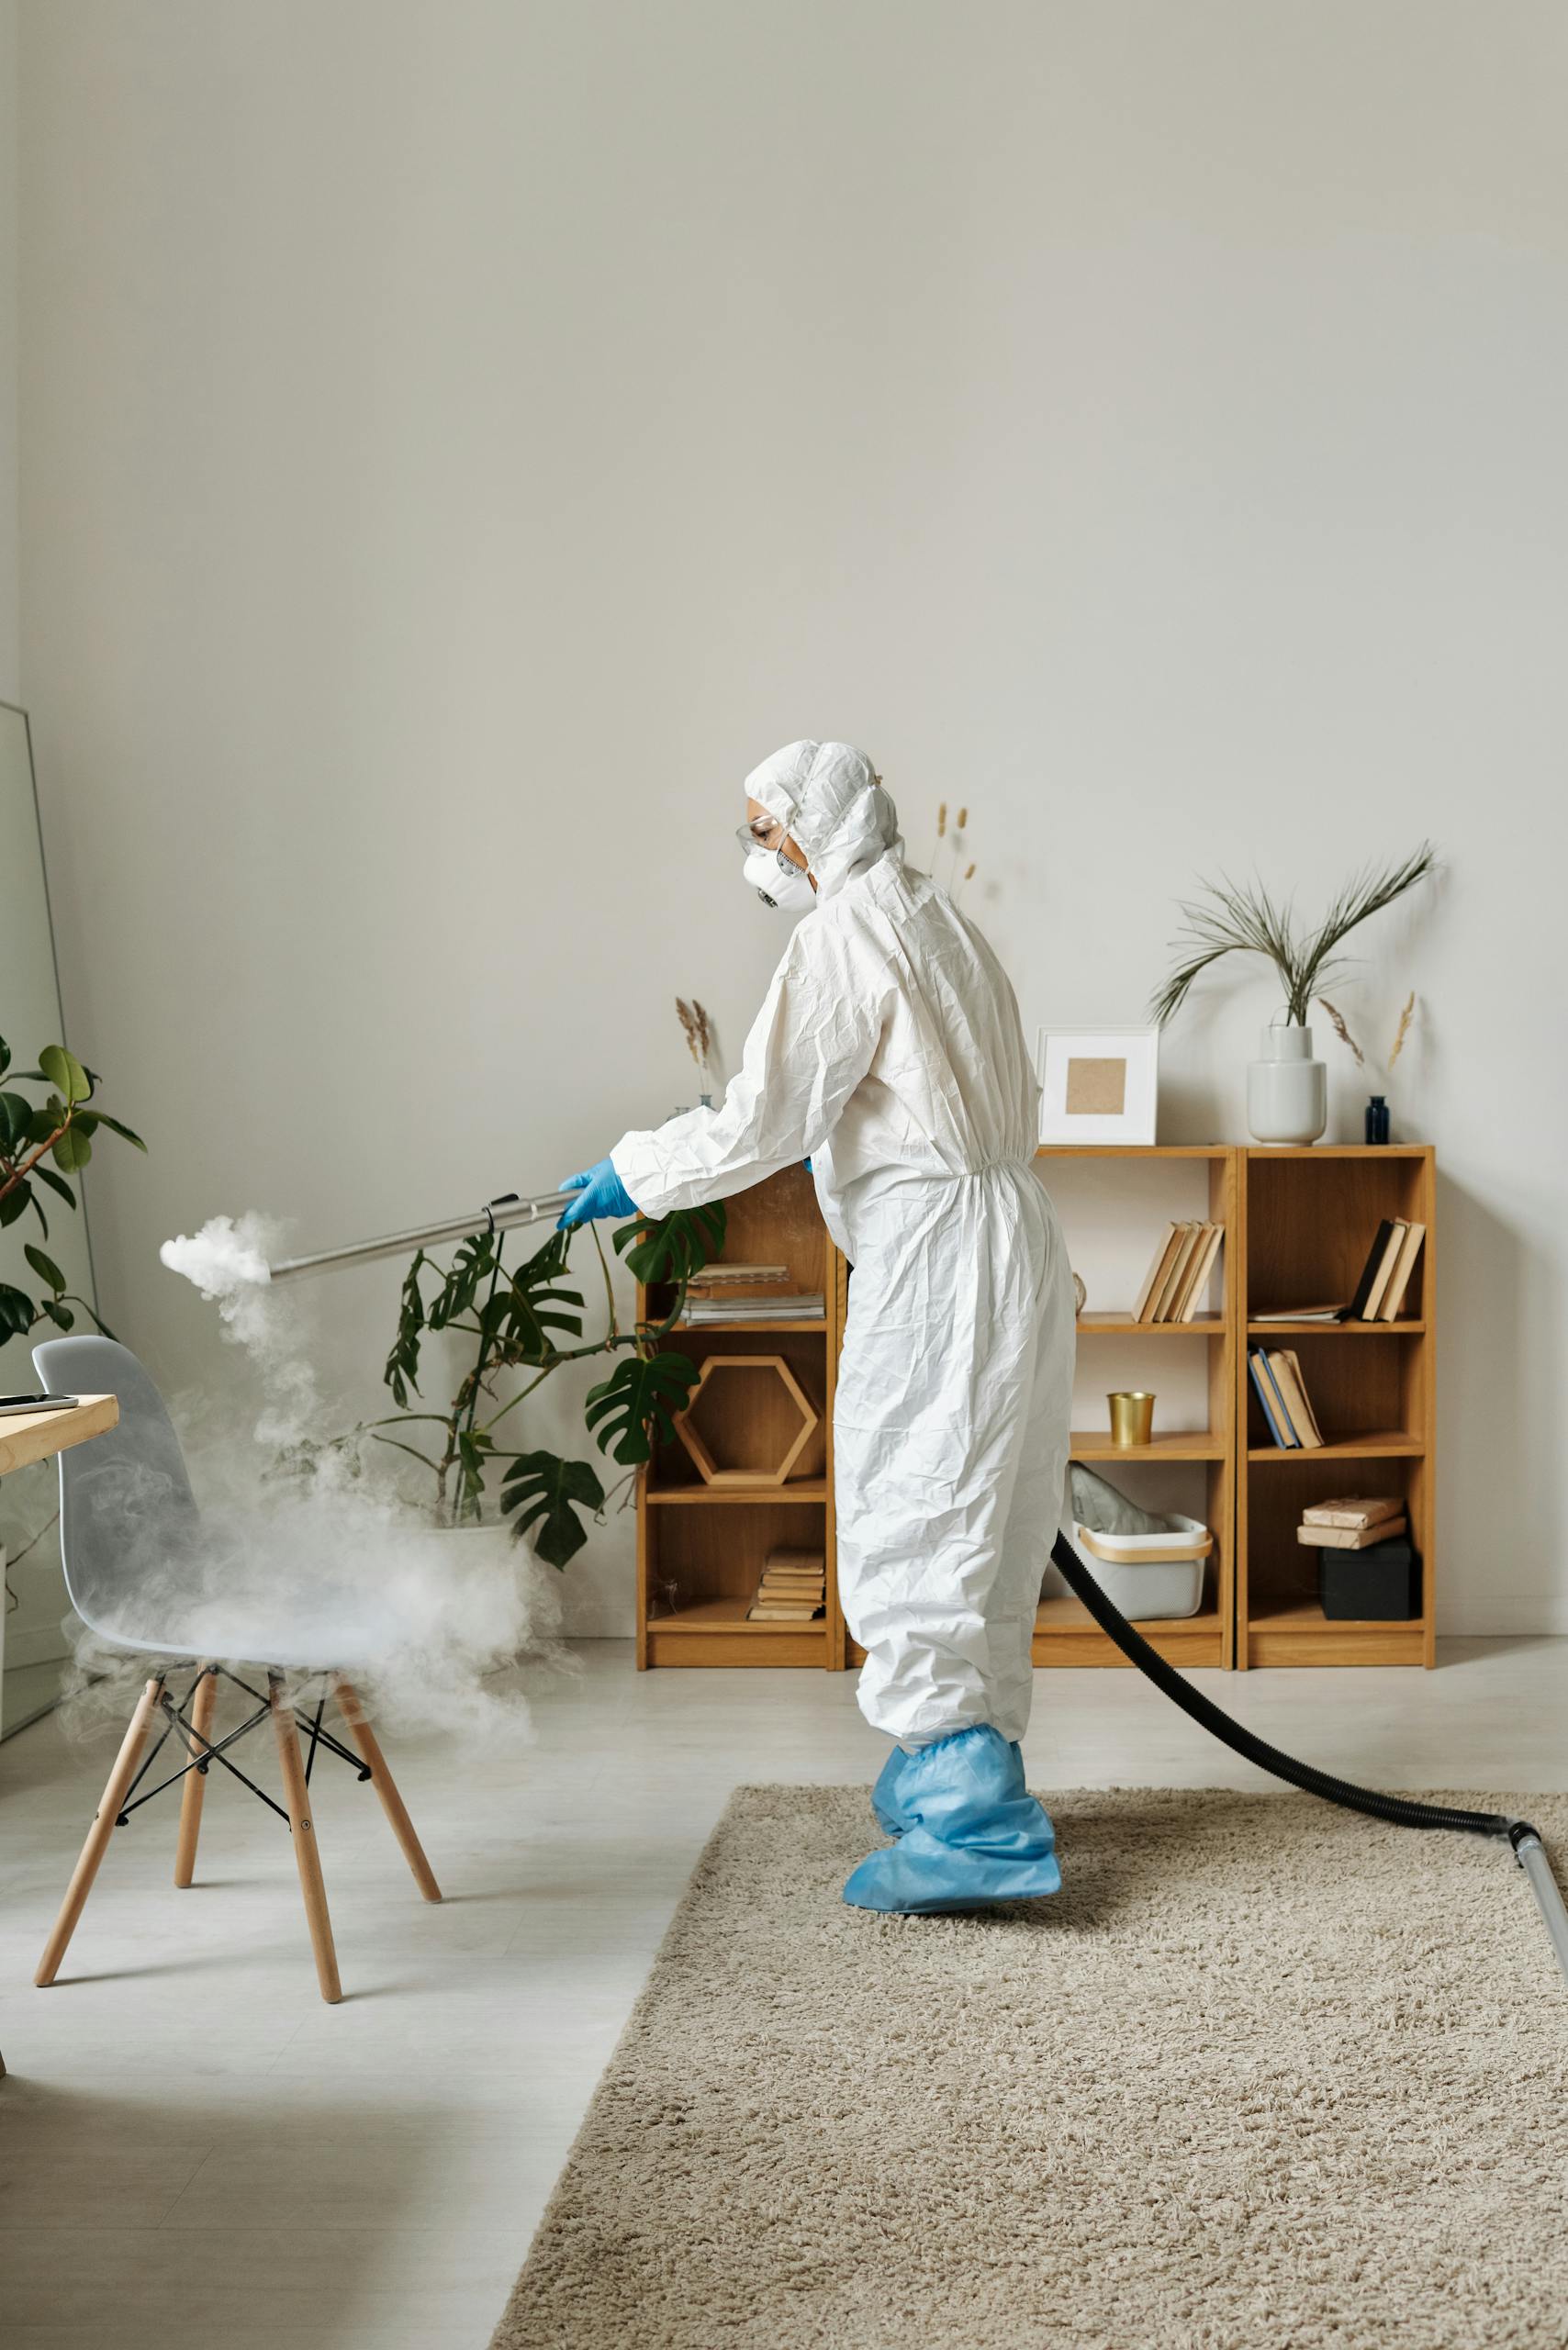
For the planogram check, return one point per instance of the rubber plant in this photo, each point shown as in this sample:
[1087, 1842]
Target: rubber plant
[517, 1319]
[41, 1145]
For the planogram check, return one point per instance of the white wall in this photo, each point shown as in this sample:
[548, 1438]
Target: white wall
[10, 189]
[459, 440]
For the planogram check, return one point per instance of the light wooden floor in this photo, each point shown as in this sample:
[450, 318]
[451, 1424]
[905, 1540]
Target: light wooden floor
[192, 2148]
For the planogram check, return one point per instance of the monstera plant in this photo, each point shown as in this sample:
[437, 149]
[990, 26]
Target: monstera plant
[521, 1322]
[41, 1144]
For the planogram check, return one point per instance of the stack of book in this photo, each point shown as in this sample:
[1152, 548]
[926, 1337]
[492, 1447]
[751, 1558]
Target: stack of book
[793, 1588]
[1385, 1277]
[1178, 1277]
[1354, 1523]
[1282, 1390]
[792, 1306]
[1366, 1564]
[723, 1276]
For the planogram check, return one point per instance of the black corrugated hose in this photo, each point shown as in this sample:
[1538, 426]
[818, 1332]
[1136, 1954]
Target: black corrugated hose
[1166, 1679]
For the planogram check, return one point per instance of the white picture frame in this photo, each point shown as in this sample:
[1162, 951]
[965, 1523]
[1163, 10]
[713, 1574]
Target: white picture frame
[1085, 1073]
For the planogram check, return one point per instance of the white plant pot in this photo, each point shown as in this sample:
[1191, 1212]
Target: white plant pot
[1287, 1091]
[490, 1551]
[489, 1545]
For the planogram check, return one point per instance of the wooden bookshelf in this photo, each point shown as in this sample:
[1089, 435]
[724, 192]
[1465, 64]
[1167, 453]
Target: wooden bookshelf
[710, 1541]
[1308, 1218]
[1173, 1180]
[1297, 1224]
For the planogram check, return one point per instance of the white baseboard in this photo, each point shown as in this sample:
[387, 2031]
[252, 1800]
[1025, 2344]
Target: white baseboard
[598, 1624]
[1538, 1616]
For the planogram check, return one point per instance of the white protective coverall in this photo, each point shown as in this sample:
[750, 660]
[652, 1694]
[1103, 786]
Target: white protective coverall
[890, 1051]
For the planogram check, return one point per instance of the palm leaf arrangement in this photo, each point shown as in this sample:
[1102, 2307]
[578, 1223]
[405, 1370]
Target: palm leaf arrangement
[1231, 918]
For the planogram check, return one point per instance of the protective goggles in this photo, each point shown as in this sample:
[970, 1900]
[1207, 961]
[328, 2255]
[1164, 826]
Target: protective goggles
[769, 835]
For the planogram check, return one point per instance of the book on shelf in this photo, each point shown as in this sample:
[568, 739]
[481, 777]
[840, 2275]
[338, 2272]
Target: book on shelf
[1204, 1260]
[793, 1588]
[792, 1306]
[1281, 1390]
[1182, 1258]
[1404, 1267]
[723, 1276]
[1274, 1413]
[1159, 1267]
[1353, 1509]
[1352, 1537]
[1178, 1271]
[1301, 1314]
[1357, 1309]
[1386, 1262]
[1386, 1276]
[1289, 1378]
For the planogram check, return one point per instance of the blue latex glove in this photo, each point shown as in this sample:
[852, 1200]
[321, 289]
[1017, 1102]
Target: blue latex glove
[600, 1193]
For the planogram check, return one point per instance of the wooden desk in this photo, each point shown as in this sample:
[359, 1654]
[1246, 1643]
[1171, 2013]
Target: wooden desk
[27, 1436]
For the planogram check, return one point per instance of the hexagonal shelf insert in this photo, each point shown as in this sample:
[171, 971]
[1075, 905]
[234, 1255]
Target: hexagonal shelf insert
[748, 1421]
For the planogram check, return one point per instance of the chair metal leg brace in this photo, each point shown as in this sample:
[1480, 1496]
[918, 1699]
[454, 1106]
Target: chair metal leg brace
[202, 1750]
[208, 1752]
[321, 1734]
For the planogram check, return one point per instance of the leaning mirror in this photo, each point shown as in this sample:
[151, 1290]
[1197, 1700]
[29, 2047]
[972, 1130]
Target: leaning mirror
[35, 1647]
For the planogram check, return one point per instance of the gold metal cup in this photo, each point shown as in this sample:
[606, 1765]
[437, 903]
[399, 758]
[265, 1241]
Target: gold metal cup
[1132, 1416]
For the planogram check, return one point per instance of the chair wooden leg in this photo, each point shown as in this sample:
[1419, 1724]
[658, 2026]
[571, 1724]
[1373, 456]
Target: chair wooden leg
[98, 1835]
[307, 1858]
[193, 1787]
[385, 1786]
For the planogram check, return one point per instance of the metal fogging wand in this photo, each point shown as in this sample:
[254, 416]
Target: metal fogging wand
[495, 1216]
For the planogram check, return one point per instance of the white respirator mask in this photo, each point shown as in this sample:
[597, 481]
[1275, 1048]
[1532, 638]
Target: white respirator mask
[778, 881]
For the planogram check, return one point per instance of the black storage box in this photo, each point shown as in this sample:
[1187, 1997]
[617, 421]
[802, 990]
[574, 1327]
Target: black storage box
[1381, 1584]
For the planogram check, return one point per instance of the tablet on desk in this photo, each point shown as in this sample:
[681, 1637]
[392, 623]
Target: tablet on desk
[12, 1404]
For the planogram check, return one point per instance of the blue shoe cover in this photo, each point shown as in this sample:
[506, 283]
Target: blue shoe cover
[890, 1816]
[893, 1816]
[975, 1835]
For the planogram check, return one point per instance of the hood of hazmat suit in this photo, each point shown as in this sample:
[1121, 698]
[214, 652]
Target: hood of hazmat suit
[830, 801]
[889, 1050]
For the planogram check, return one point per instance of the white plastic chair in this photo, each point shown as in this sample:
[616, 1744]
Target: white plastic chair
[140, 1575]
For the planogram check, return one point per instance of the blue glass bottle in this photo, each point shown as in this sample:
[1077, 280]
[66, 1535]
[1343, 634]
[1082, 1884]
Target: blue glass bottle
[1377, 1119]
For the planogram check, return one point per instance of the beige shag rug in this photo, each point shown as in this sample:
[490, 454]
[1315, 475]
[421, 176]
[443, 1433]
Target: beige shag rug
[1263, 2074]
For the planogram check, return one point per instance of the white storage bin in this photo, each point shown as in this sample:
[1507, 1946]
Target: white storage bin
[1148, 1575]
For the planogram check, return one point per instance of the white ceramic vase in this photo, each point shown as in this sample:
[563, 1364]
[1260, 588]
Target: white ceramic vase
[1287, 1091]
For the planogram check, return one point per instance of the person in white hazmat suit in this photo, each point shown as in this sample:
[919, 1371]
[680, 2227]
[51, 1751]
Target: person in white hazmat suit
[890, 1052]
